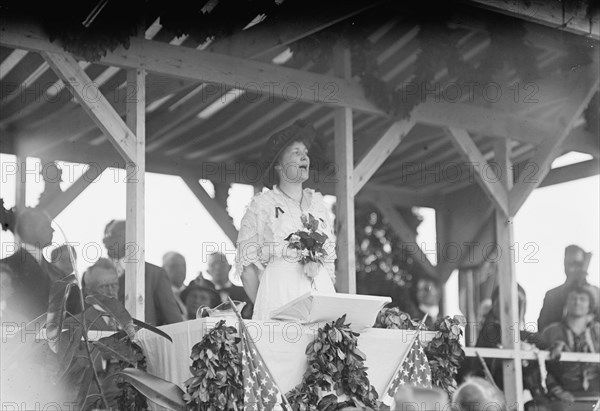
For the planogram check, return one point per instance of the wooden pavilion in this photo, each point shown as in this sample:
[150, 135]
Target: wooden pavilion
[158, 106]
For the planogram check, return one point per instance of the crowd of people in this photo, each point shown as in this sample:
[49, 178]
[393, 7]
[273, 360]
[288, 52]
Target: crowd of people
[568, 320]
[27, 277]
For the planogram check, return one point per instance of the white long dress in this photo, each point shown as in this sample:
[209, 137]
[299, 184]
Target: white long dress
[271, 217]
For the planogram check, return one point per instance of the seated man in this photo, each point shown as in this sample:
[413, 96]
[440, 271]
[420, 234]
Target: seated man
[175, 267]
[100, 279]
[161, 307]
[196, 296]
[578, 332]
[218, 269]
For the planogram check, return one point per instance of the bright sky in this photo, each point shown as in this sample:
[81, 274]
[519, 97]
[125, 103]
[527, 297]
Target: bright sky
[552, 218]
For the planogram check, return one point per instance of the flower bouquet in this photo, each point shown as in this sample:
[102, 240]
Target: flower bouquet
[310, 242]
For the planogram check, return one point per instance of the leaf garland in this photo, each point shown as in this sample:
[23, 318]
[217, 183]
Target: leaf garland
[334, 364]
[444, 352]
[393, 318]
[439, 51]
[216, 383]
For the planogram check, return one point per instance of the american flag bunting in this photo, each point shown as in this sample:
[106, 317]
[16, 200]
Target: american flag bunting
[414, 371]
[260, 390]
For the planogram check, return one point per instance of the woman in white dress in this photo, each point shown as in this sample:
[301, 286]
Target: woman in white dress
[270, 271]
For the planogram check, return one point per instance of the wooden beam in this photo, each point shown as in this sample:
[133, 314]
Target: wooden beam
[507, 282]
[344, 190]
[504, 353]
[583, 90]
[579, 139]
[58, 204]
[404, 196]
[382, 149]
[572, 172]
[491, 186]
[482, 120]
[135, 280]
[548, 13]
[210, 67]
[256, 42]
[73, 123]
[403, 231]
[216, 210]
[94, 103]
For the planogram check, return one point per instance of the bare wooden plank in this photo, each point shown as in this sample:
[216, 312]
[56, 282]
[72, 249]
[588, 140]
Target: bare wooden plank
[135, 280]
[507, 283]
[216, 210]
[404, 196]
[21, 183]
[96, 105]
[583, 90]
[491, 185]
[58, 204]
[531, 355]
[572, 172]
[385, 146]
[344, 188]
[11, 61]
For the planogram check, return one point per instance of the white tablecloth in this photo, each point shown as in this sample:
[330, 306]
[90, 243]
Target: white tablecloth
[282, 346]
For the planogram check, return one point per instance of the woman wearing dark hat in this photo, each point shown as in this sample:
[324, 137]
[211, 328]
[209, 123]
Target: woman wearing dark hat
[270, 271]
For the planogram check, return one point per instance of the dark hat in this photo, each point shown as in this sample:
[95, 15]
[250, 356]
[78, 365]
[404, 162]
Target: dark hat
[299, 131]
[195, 286]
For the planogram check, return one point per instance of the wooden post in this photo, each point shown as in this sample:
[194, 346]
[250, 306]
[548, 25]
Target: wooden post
[21, 183]
[135, 258]
[344, 188]
[507, 281]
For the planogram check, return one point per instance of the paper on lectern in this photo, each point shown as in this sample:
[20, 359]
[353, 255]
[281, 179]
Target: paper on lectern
[314, 307]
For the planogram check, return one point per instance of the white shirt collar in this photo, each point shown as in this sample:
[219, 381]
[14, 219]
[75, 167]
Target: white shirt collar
[177, 290]
[35, 252]
[432, 310]
[120, 266]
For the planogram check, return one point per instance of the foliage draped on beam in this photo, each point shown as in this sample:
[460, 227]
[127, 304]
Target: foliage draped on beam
[439, 44]
[210, 67]
[92, 29]
[575, 16]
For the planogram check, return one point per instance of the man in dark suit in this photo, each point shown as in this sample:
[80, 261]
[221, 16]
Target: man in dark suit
[575, 263]
[218, 268]
[32, 274]
[161, 307]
